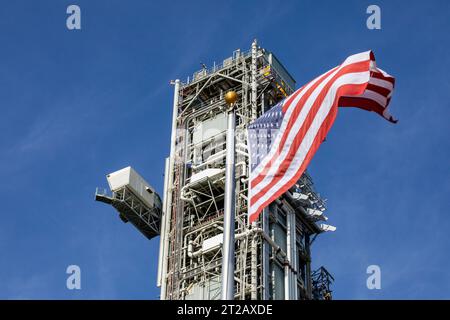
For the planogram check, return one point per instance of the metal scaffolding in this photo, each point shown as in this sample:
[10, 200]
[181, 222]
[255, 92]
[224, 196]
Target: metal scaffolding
[272, 257]
[132, 209]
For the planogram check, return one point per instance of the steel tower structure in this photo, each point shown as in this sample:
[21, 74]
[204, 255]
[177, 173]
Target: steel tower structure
[272, 257]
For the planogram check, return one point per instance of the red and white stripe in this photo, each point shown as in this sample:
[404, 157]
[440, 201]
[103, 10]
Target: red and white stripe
[309, 114]
[376, 97]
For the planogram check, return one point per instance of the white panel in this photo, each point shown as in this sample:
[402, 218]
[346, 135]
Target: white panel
[118, 179]
[314, 212]
[130, 178]
[327, 227]
[299, 196]
[210, 173]
[212, 242]
[209, 128]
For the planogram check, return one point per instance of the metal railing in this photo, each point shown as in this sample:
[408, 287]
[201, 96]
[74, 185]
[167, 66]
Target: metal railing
[199, 74]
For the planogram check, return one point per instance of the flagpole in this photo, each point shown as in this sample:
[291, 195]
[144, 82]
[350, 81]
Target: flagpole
[230, 202]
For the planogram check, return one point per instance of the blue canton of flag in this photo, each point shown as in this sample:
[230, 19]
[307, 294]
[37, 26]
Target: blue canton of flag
[262, 132]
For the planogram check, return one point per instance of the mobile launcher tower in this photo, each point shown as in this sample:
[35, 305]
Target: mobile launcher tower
[273, 257]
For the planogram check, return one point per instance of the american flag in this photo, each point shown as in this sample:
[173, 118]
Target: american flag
[283, 140]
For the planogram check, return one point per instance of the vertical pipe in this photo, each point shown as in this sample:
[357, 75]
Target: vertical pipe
[254, 75]
[254, 114]
[263, 102]
[242, 260]
[265, 257]
[176, 96]
[308, 266]
[254, 269]
[294, 262]
[162, 228]
[229, 212]
[287, 271]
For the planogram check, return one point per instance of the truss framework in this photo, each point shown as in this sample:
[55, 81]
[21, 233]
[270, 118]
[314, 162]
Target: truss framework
[195, 212]
[132, 209]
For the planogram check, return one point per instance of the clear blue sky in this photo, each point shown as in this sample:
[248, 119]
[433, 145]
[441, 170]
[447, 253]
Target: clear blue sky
[77, 105]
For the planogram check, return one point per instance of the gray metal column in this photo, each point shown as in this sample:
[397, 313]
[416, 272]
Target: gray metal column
[294, 253]
[287, 271]
[229, 210]
[168, 196]
[308, 266]
[265, 252]
[161, 256]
